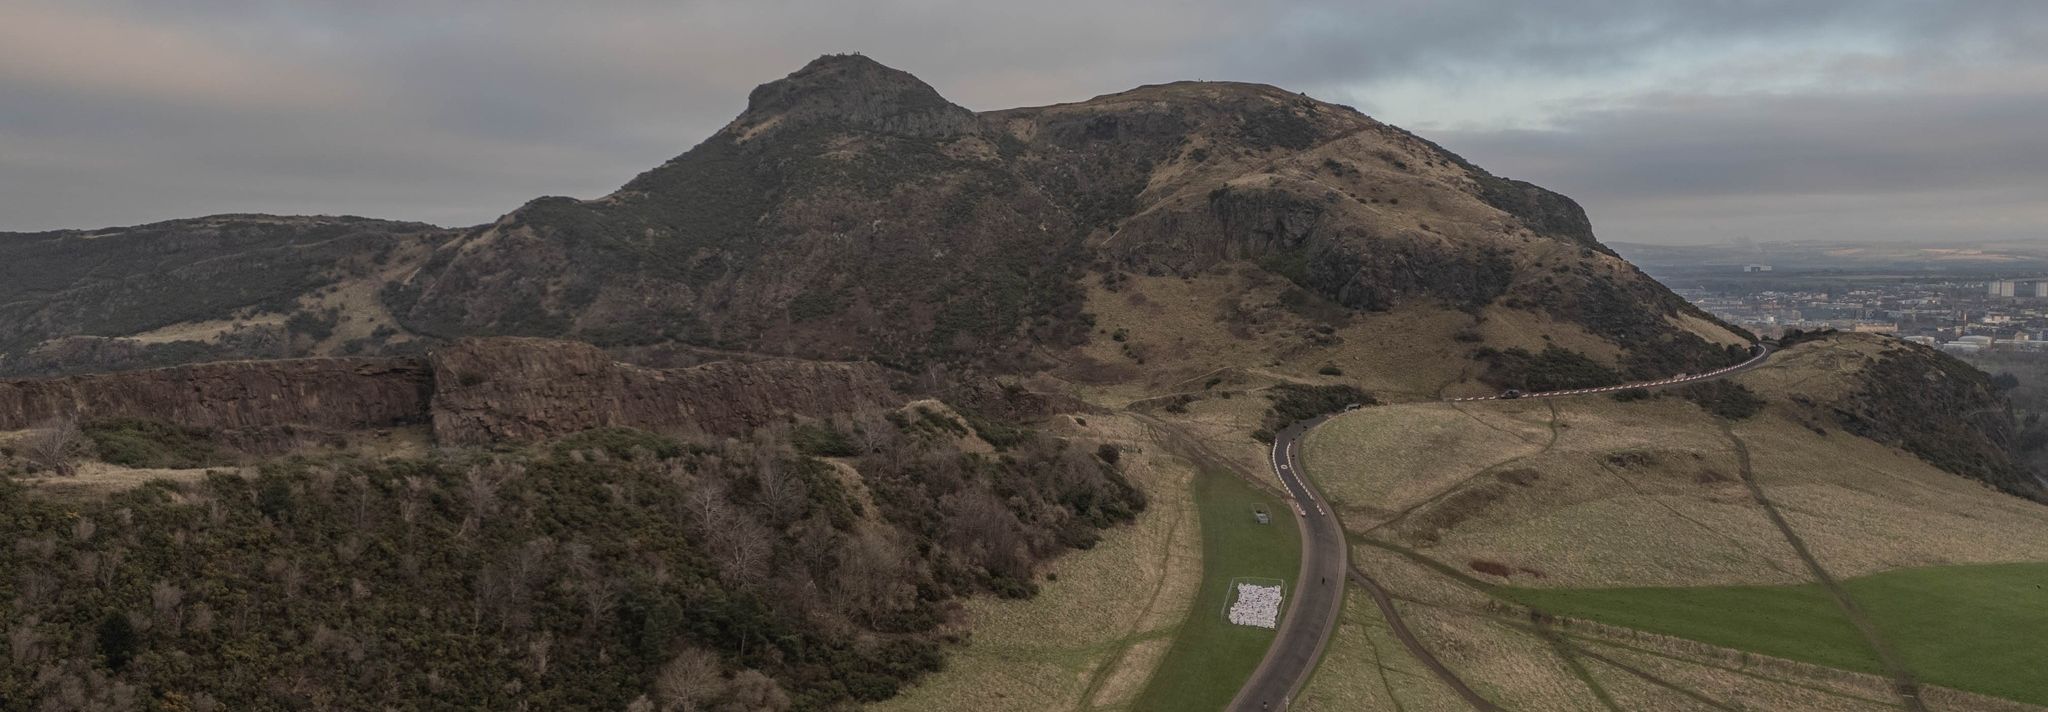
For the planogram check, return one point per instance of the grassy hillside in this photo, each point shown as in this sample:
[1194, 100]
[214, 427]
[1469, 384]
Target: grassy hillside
[1976, 628]
[1472, 513]
[1103, 618]
[1211, 657]
[220, 272]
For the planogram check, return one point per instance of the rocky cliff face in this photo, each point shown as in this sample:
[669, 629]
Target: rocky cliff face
[473, 393]
[530, 389]
[332, 394]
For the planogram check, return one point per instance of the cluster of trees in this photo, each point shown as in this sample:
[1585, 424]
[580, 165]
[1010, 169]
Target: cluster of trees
[614, 569]
[1554, 368]
[1293, 402]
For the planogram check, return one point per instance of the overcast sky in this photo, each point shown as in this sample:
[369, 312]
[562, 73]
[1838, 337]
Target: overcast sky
[1679, 121]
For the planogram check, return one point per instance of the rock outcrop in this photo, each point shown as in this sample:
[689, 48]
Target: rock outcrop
[324, 393]
[514, 389]
[474, 392]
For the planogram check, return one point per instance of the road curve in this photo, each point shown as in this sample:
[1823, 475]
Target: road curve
[1763, 351]
[1318, 593]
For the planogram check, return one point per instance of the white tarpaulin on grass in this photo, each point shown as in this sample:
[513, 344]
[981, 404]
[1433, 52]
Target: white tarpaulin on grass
[1256, 605]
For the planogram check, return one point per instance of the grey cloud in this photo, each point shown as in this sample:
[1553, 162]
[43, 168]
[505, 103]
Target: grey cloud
[1884, 165]
[454, 112]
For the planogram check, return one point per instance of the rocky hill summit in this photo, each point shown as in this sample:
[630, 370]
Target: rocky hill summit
[851, 212]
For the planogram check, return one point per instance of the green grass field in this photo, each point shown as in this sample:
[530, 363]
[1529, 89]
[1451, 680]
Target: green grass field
[1211, 658]
[1977, 628]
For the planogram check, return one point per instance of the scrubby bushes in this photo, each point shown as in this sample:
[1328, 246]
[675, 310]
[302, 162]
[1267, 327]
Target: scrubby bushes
[606, 567]
[153, 444]
[1724, 398]
[1554, 368]
[1295, 402]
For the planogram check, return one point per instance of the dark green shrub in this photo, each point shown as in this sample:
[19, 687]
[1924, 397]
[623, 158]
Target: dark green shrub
[153, 444]
[116, 640]
[620, 444]
[1724, 398]
[822, 441]
[1552, 369]
[1294, 402]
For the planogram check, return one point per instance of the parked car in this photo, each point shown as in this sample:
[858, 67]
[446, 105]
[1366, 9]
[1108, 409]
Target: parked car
[1511, 394]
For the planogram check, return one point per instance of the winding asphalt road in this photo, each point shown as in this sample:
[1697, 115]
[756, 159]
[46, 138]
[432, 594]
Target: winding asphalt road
[1318, 593]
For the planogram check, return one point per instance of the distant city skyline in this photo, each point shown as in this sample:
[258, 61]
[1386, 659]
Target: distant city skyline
[1673, 122]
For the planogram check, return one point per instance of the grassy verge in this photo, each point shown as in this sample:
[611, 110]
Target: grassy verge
[1211, 658]
[1976, 628]
[1102, 619]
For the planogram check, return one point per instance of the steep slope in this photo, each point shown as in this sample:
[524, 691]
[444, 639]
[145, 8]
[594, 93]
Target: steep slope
[851, 210]
[1857, 455]
[226, 286]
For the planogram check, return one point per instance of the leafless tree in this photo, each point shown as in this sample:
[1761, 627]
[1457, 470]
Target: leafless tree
[24, 642]
[480, 491]
[166, 602]
[202, 618]
[538, 652]
[871, 430]
[707, 506]
[753, 691]
[780, 492]
[741, 549]
[600, 596]
[872, 576]
[689, 682]
[53, 445]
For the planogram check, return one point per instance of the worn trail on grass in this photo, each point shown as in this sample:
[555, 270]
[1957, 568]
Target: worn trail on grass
[1415, 647]
[1903, 681]
[1133, 636]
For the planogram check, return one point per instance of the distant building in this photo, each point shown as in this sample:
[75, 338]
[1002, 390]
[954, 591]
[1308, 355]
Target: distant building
[2041, 289]
[2001, 288]
[1923, 340]
[1756, 268]
[1974, 340]
[1874, 328]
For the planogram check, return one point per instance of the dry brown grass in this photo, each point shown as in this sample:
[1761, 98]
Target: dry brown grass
[205, 331]
[1648, 493]
[1364, 667]
[1179, 330]
[1863, 507]
[1642, 493]
[99, 479]
[1495, 648]
[1376, 463]
[1516, 670]
[1093, 636]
